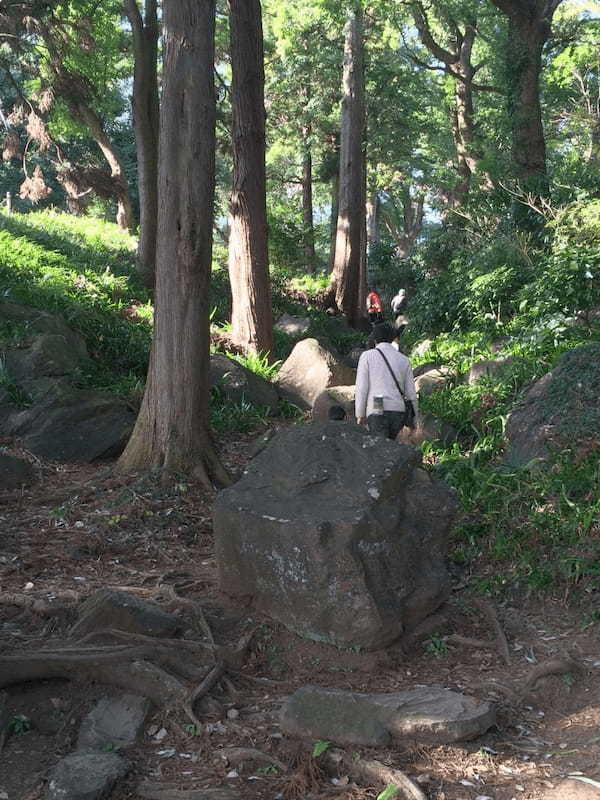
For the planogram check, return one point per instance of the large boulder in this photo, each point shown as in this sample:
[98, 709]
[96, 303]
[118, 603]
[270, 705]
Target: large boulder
[432, 379]
[239, 383]
[15, 472]
[293, 326]
[68, 424]
[334, 396]
[339, 535]
[490, 368]
[85, 776]
[309, 370]
[559, 410]
[427, 714]
[53, 418]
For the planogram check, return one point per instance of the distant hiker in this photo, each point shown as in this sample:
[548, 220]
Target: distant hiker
[398, 303]
[384, 386]
[336, 413]
[374, 307]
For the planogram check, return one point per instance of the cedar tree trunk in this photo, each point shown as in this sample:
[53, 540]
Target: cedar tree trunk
[251, 313]
[172, 430]
[350, 239]
[308, 231]
[145, 124]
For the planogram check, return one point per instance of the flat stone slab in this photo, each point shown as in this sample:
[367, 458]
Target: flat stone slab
[428, 714]
[85, 776]
[124, 612]
[114, 723]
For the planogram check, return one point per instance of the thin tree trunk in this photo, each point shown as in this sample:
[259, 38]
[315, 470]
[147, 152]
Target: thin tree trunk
[307, 205]
[172, 430]
[145, 123]
[251, 315]
[346, 274]
[335, 204]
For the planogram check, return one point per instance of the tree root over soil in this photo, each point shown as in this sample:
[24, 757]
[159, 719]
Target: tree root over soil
[517, 693]
[372, 773]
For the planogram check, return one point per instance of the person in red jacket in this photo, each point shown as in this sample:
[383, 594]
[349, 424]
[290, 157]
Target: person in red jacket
[374, 307]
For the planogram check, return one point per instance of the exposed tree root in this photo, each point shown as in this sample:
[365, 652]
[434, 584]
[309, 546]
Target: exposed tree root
[124, 667]
[488, 610]
[373, 773]
[164, 791]
[38, 605]
[203, 688]
[465, 641]
[553, 666]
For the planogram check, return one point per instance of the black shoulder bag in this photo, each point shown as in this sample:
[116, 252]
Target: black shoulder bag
[409, 419]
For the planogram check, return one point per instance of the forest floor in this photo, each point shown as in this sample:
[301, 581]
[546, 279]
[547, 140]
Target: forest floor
[82, 528]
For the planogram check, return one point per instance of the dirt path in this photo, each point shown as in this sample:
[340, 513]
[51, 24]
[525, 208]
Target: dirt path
[80, 528]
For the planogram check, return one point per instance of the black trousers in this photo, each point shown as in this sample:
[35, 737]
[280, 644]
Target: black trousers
[387, 425]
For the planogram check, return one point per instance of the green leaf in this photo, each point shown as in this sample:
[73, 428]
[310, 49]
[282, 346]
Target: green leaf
[389, 792]
[319, 747]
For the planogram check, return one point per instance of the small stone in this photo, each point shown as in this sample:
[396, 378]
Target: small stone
[233, 713]
[160, 734]
[233, 774]
[152, 730]
[114, 722]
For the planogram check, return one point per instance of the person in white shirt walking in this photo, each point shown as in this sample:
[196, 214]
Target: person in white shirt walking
[384, 380]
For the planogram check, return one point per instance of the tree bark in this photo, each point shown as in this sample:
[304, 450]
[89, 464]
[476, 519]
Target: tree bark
[346, 275]
[529, 28]
[146, 123]
[251, 315]
[308, 231]
[335, 202]
[172, 429]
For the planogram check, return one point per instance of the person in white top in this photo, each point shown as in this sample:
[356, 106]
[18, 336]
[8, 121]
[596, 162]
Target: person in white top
[374, 380]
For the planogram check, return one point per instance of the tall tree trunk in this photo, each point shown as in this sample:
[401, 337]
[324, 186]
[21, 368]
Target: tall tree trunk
[172, 429]
[346, 274]
[145, 123]
[373, 220]
[251, 315]
[308, 232]
[335, 204]
[529, 28]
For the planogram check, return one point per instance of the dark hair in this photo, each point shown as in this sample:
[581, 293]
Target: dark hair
[383, 332]
[337, 413]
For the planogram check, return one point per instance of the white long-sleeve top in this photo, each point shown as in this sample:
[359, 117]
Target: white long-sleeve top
[373, 378]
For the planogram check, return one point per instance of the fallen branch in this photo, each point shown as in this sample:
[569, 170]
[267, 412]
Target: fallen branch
[489, 612]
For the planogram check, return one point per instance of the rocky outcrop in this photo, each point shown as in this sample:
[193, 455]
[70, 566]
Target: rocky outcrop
[309, 370]
[432, 379]
[560, 409]
[339, 535]
[53, 418]
[427, 714]
[293, 326]
[334, 396]
[15, 472]
[241, 384]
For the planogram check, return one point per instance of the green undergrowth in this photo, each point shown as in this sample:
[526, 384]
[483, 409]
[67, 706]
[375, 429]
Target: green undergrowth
[537, 527]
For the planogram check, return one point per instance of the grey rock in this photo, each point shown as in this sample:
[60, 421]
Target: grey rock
[309, 370]
[559, 410]
[257, 445]
[353, 357]
[572, 789]
[114, 722]
[420, 349]
[85, 776]
[239, 383]
[67, 424]
[50, 354]
[334, 396]
[108, 608]
[433, 379]
[293, 326]
[15, 472]
[490, 368]
[428, 715]
[426, 367]
[430, 429]
[337, 534]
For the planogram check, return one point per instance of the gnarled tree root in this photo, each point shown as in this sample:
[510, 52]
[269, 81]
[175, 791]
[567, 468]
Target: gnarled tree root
[373, 773]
